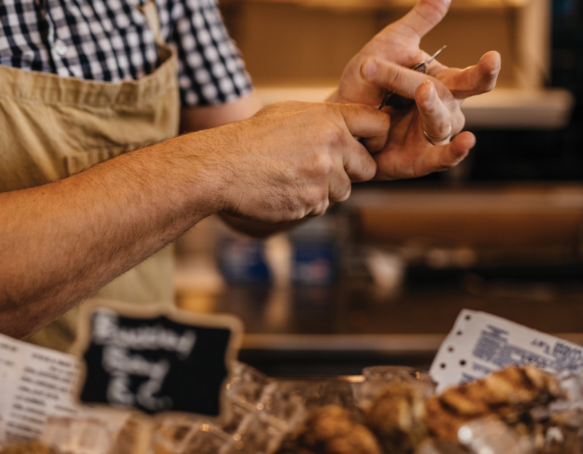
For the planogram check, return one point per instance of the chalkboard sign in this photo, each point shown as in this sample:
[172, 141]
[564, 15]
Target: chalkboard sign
[165, 360]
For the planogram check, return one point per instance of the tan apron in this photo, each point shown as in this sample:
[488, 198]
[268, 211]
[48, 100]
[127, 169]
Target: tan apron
[53, 127]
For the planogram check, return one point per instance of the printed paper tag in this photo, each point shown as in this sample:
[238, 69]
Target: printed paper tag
[156, 358]
[480, 343]
[36, 383]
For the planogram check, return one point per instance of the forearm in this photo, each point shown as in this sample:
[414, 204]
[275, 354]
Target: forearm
[62, 241]
[206, 117]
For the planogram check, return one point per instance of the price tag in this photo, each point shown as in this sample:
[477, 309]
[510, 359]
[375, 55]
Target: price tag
[156, 359]
[36, 383]
[481, 343]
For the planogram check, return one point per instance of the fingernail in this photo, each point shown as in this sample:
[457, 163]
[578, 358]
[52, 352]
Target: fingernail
[370, 69]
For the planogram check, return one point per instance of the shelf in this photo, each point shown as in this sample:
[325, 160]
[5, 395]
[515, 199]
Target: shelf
[520, 109]
[500, 109]
[382, 5]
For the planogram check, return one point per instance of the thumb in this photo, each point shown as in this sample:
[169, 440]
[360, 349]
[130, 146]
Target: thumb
[365, 121]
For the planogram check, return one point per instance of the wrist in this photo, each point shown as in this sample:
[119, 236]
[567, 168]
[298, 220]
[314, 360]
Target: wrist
[184, 177]
[209, 171]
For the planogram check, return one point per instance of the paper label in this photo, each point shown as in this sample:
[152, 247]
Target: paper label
[480, 343]
[35, 383]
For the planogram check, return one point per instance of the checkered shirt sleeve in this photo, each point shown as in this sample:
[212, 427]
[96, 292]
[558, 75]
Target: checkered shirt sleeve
[109, 40]
[210, 67]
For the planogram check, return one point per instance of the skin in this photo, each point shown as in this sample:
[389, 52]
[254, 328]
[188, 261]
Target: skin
[263, 171]
[287, 162]
[408, 153]
[382, 65]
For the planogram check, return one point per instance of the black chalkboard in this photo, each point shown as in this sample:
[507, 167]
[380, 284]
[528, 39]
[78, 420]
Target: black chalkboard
[154, 364]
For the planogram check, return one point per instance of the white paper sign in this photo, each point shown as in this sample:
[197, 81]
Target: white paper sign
[35, 383]
[480, 343]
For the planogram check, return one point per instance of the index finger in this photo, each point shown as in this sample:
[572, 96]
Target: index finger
[403, 81]
[425, 15]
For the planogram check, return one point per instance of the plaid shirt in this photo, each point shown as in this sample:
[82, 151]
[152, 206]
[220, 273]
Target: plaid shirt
[109, 40]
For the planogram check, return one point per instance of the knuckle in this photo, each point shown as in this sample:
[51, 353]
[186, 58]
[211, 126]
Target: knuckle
[369, 171]
[394, 76]
[444, 130]
[320, 209]
[322, 164]
[347, 192]
[342, 193]
[332, 134]
[366, 172]
[315, 197]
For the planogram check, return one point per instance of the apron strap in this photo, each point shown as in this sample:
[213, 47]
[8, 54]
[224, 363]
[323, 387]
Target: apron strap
[150, 12]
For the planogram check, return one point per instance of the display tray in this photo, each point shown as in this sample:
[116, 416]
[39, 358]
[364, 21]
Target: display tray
[385, 410]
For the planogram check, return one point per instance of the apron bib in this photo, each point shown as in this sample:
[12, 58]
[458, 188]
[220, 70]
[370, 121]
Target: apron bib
[54, 127]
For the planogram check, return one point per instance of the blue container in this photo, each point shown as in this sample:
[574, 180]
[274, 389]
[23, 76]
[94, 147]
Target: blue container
[315, 262]
[243, 262]
[315, 252]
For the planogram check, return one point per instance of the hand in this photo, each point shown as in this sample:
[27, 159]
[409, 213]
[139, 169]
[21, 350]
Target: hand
[414, 148]
[293, 158]
[399, 44]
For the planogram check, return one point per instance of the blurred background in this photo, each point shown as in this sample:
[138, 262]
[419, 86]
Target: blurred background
[381, 278]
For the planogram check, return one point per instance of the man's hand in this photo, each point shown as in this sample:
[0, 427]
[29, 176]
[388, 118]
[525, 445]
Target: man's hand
[293, 158]
[414, 148]
[409, 153]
